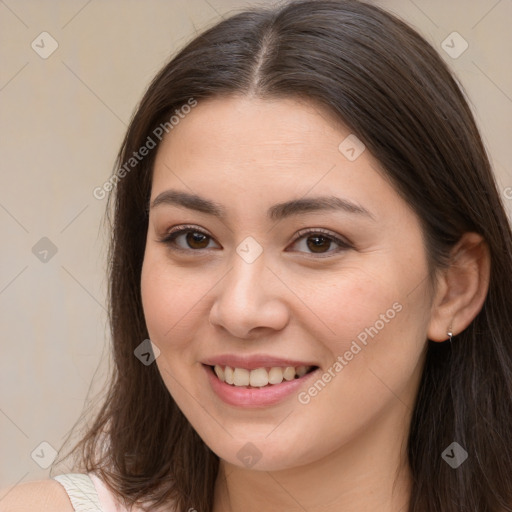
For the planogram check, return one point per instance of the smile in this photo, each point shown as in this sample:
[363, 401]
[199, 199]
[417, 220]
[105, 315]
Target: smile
[259, 377]
[258, 387]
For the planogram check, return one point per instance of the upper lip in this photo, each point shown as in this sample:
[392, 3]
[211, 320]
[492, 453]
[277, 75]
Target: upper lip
[253, 362]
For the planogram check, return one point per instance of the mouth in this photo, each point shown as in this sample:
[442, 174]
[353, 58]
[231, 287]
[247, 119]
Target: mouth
[258, 378]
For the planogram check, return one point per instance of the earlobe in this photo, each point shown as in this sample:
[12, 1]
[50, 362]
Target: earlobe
[462, 288]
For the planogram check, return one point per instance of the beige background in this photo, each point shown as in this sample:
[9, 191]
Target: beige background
[62, 121]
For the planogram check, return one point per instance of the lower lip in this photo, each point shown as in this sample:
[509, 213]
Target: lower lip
[255, 397]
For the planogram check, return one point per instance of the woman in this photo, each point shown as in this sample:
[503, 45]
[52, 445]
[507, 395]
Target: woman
[307, 228]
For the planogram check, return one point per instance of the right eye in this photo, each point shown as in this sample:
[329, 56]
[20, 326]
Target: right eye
[193, 239]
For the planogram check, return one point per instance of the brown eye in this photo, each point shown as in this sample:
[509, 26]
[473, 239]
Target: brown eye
[320, 242]
[196, 240]
[192, 239]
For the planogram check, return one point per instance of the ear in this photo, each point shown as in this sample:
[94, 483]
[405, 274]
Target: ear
[461, 289]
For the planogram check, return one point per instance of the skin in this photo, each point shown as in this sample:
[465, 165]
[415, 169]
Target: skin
[345, 449]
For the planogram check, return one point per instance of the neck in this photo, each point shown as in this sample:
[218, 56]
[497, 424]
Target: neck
[369, 473]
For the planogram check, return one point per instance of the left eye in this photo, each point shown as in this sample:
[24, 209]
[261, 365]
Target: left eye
[317, 241]
[195, 240]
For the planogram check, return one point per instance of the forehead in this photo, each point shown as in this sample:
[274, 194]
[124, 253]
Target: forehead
[243, 149]
[246, 128]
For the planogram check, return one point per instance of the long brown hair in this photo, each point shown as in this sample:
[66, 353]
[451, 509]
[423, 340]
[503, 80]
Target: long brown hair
[388, 85]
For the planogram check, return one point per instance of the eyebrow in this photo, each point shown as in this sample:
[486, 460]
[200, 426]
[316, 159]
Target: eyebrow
[276, 212]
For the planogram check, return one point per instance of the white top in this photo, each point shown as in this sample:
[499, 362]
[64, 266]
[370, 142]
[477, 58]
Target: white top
[88, 493]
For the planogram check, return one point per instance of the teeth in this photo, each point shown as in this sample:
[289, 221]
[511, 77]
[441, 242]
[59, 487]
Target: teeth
[228, 375]
[259, 377]
[241, 377]
[289, 373]
[219, 372]
[275, 375]
[301, 371]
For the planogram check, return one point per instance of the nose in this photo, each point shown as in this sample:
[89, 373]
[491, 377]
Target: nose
[249, 301]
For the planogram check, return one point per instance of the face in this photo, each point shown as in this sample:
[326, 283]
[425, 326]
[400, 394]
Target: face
[241, 279]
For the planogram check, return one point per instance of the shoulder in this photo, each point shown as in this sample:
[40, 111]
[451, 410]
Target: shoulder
[38, 496]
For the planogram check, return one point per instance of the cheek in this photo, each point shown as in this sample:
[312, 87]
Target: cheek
[377, 346]
[342, 306]
[170, 300]
[171, 305]
[368, 317]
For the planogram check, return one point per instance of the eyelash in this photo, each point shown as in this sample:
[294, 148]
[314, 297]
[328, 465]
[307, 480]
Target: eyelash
[170, 238]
